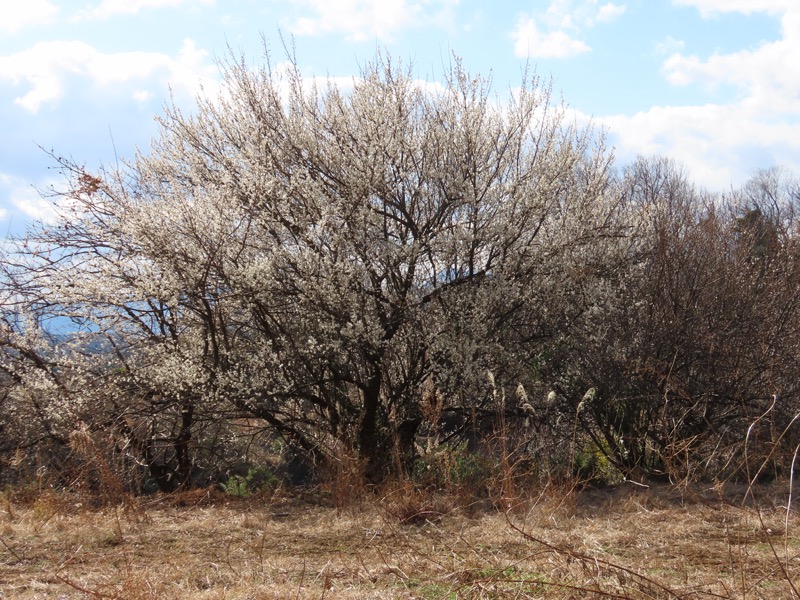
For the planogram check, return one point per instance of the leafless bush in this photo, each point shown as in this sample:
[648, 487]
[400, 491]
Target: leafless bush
[694, 338]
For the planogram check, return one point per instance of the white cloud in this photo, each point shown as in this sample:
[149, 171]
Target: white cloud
[45, 67]
[721, 142]
[143, 96]
[109, 8]
[362, 20]
[21, 197]
[609, 12]
[18, 15]
[767, 77]
[769, 74]
[717, 143]
[709, 8]
[529, 41]
[35, 202]
[669, 46]
[555, 32]
[579, 14]
[34, 206]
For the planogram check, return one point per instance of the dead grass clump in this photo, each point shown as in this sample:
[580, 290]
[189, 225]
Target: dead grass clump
[127, 586]
[408, 505]
[545, 507]
[191, 498]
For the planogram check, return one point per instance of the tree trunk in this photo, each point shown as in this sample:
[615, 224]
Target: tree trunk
[368, 431]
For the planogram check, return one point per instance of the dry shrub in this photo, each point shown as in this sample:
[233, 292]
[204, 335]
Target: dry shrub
[344, 479]
[100, 471]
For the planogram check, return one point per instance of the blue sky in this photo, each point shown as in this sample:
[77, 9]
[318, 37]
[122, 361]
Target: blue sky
[714, 84]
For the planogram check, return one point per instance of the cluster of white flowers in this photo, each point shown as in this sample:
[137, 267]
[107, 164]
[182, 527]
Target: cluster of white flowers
[314, 257]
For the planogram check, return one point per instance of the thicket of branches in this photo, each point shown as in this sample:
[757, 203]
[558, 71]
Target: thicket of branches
[375, 274]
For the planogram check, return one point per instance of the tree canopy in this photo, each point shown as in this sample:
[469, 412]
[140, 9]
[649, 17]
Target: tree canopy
[343, 266]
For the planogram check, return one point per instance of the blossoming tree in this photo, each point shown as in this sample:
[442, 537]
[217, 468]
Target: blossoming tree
[316, 257]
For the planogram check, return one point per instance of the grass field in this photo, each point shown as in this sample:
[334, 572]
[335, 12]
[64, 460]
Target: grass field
[624, 542]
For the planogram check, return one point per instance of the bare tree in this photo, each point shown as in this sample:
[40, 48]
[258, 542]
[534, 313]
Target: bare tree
[699, 331]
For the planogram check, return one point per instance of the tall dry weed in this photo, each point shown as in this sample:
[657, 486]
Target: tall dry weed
[344, 480]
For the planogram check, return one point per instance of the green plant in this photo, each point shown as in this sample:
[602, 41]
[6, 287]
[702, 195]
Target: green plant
[436, 591]
[256, 480]
[452, 467]
[591, 465]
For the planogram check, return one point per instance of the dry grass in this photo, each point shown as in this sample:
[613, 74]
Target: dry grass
[620, 543]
